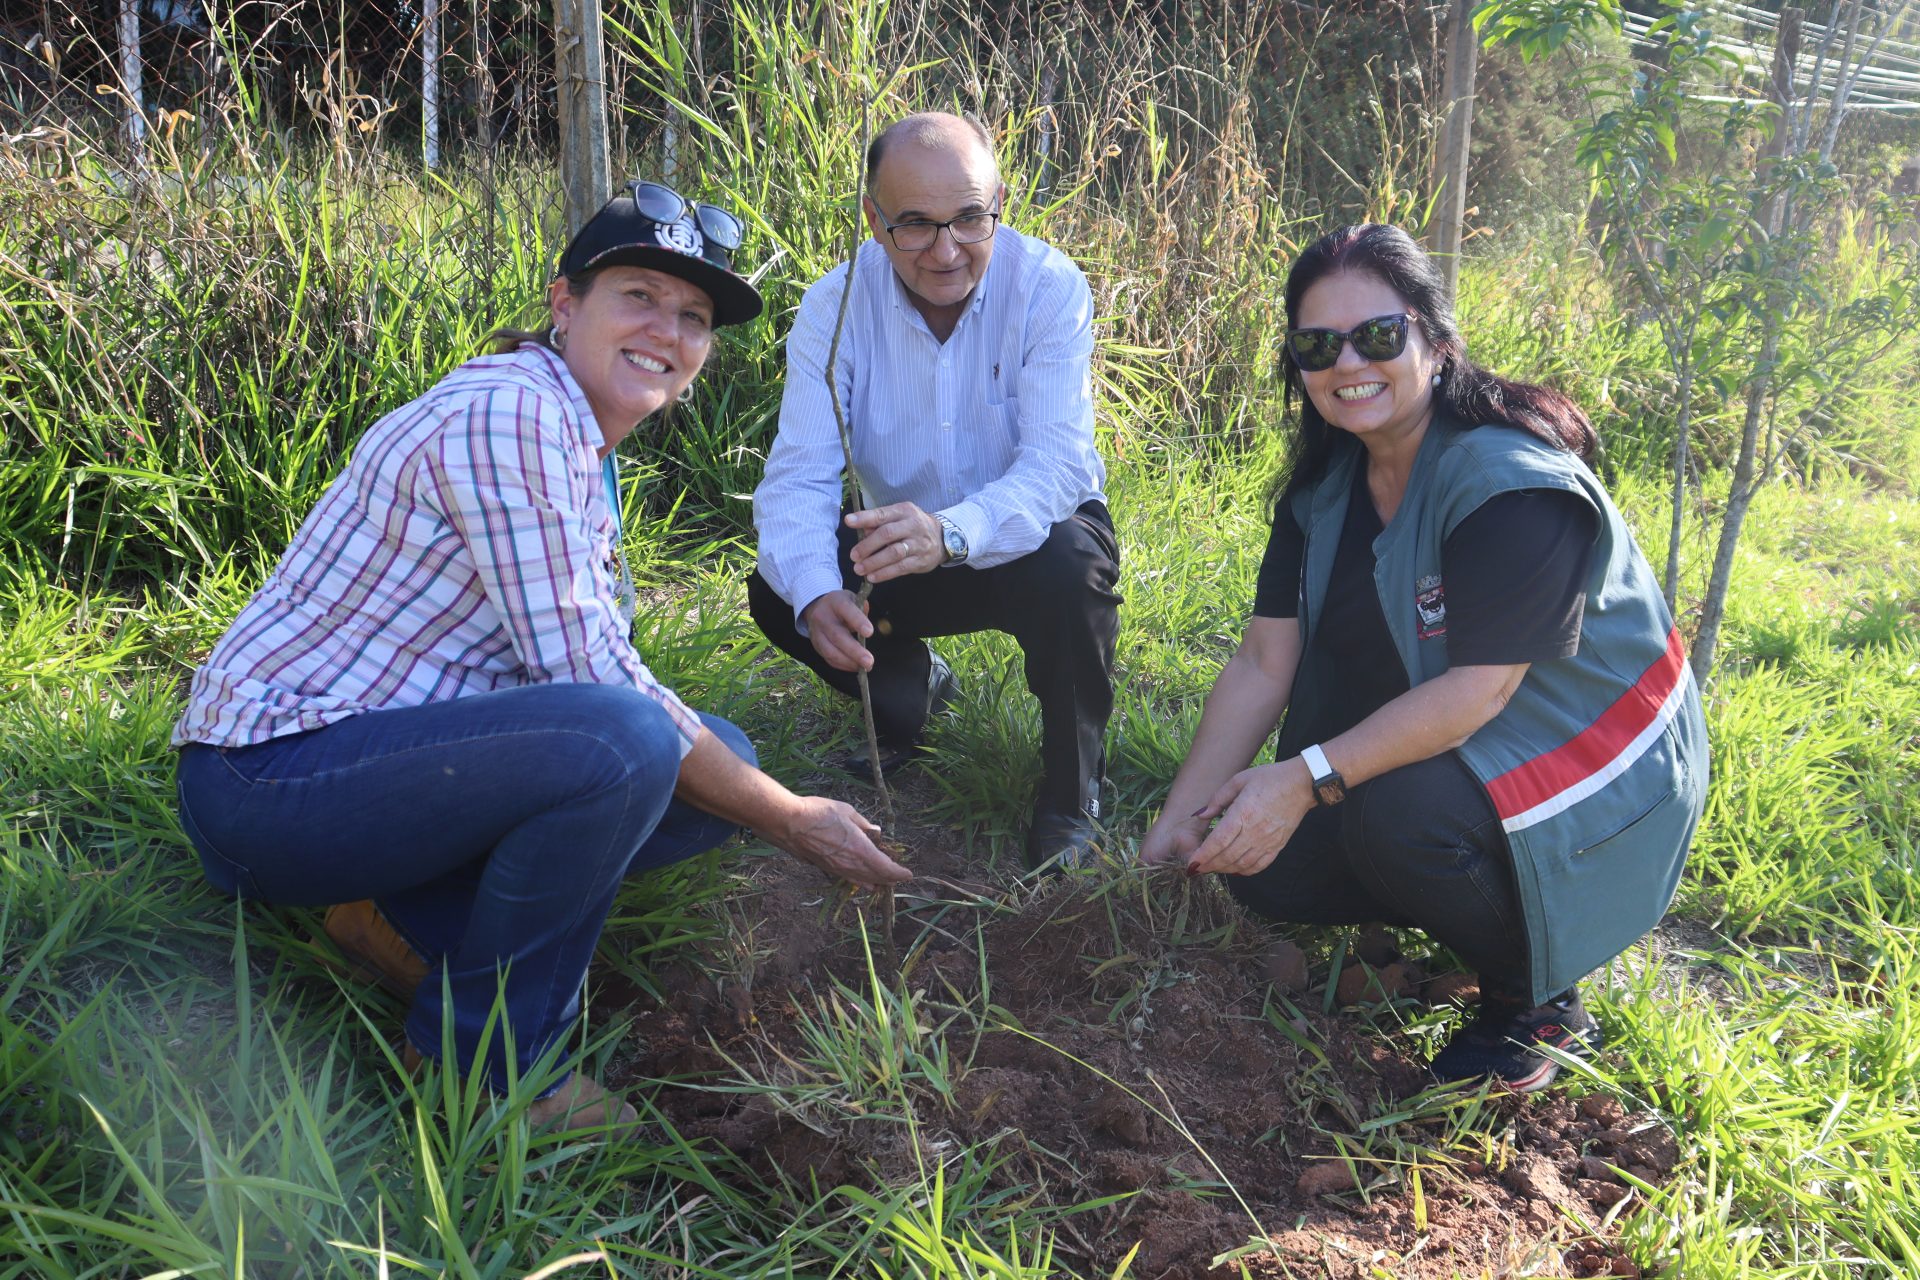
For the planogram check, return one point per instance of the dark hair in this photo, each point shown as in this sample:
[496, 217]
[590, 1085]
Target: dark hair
[926, 128]
[1470, 394]
[507, 338]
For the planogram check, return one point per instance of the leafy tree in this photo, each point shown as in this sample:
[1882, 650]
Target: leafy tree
[1729, 248]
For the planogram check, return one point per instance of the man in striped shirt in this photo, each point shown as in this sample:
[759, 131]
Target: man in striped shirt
[964, 367]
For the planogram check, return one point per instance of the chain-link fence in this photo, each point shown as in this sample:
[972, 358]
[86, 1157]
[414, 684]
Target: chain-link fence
[439, 74]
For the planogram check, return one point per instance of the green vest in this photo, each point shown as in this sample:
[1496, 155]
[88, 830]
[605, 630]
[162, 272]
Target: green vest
[1597, 766]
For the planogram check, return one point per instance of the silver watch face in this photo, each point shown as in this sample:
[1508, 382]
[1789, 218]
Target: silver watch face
[956, 544]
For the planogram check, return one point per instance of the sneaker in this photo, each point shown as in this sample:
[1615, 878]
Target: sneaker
[1502, 1042]
[374, 948]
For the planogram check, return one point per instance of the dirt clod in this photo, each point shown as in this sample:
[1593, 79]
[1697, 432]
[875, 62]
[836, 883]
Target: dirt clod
[1600, 1107]
[1359, 985]
[1285, 965]
[1453, 988]
[1535, 1177]
[1324, 1178]
[1603, 1194]
[1376, 945]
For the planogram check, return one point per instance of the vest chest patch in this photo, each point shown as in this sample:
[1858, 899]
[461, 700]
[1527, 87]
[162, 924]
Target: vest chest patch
[1430, 606]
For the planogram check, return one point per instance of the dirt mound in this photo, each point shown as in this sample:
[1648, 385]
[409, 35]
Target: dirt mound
[1127, 1037]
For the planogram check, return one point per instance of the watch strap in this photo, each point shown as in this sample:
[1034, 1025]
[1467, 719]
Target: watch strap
[954, 541]
[1329, 788]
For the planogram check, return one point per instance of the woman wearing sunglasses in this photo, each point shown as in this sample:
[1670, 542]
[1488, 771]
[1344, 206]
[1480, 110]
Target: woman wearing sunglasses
[1490, 732]
[433, 712]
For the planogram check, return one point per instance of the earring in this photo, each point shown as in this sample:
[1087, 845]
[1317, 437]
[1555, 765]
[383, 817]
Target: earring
[686, 393]
[1436, 379]
[559, 339]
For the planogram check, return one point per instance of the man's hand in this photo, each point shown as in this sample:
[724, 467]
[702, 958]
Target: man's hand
[900, 539]
[838, 839]
[837, 623]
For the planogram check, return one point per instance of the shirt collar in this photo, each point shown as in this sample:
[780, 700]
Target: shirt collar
[545, 360]
[903, 301]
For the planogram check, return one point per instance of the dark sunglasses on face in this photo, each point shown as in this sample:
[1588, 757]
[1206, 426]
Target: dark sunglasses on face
[1381, 338]
[664, 204]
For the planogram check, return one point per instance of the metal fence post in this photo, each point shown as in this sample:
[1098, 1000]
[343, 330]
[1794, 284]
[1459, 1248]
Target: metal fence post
[130, 70]
[430, 82]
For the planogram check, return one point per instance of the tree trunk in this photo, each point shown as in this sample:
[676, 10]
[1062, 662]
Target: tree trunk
[1739, 498]
[1786, 53]
[1450, 165]
[1682, 426]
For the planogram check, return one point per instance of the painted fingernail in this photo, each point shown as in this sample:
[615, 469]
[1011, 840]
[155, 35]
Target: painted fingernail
[1197, 812]
[1192, 870]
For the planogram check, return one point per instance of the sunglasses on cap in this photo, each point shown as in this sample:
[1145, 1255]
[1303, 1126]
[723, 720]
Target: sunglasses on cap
[1381, 338]
[663, 204]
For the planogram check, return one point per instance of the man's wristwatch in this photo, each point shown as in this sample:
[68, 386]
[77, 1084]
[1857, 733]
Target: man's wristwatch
[956, 541]
[1329, 788]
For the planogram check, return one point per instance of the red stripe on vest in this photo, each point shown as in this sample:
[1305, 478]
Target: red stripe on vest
[1543, 777]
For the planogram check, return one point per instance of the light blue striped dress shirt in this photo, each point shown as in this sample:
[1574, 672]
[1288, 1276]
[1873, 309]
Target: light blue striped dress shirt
[992, 428]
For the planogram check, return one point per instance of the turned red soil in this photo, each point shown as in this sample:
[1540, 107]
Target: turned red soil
[1171, 1003]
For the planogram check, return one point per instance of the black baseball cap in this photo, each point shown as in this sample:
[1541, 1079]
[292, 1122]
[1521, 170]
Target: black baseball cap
[641, 228]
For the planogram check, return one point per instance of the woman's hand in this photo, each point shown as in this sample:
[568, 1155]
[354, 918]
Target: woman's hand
[838, 839]
[1259, 810]
[1172, 840]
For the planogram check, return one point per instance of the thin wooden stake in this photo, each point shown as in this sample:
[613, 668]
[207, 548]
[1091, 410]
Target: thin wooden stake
[887, 903]
[859, 490]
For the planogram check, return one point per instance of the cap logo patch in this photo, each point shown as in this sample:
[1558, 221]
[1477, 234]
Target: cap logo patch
[679, 237]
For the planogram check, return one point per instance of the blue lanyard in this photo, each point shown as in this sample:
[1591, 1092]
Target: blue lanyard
[611, 475]
[623, 592]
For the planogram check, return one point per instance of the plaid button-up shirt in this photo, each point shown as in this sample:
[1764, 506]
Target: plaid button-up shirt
[467, 547]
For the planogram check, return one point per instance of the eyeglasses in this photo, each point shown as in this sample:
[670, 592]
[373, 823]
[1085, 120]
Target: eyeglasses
[968, 228]
[1381, 338]
[664, 204]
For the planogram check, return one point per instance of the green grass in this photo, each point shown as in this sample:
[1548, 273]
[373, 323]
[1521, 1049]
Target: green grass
[185, 1089]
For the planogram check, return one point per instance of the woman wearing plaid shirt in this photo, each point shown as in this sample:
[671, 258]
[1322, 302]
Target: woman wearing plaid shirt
[433, 712]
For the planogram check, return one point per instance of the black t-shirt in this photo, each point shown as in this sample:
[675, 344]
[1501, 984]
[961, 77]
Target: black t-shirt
[1514, 575]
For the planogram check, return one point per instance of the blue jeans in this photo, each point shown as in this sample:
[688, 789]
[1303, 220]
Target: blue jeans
[491, 830]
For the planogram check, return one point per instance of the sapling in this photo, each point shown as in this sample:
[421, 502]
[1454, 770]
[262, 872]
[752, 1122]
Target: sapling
[857, 499]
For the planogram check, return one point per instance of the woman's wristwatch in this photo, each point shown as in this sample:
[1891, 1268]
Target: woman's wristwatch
[1329, 788]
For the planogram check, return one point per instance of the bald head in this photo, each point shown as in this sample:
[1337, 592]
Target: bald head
[925, 174]
[932, 131]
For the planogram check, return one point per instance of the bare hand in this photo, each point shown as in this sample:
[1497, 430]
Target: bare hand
[1172, 840]
[1259, 810]
[838, 839]
[900, 539]
[837, 623]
